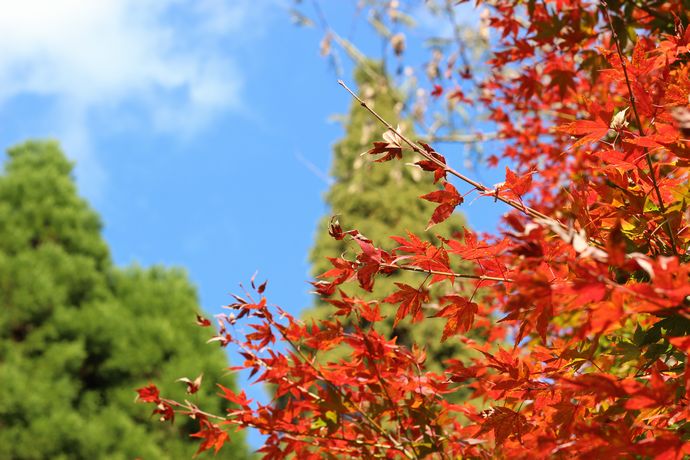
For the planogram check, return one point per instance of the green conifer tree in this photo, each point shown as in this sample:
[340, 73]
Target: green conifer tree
[379, 199]
[78, 335]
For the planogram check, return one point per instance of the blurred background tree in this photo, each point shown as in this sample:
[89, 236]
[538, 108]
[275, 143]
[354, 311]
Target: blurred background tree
[78, 335]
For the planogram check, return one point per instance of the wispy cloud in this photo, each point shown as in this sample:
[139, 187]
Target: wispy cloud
[167, 63]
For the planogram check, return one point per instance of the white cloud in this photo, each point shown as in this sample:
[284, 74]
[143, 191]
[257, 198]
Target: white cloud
[167, 61]
[106, 52]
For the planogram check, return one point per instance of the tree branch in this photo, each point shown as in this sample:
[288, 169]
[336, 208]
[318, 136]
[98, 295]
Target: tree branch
[533, 213]
[640, 128]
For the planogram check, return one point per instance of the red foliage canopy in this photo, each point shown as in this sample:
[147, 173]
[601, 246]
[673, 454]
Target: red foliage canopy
[582, 297]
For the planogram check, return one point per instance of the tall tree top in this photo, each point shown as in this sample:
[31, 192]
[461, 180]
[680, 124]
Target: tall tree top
[39, 204]
[78, 335]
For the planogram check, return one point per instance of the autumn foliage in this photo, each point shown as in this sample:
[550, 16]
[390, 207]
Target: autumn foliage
[581, 298]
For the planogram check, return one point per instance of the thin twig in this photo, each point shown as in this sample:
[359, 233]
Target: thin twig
[456, 275]
[191, 409]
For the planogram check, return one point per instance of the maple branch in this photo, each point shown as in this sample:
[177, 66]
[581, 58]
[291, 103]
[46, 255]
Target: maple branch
[456, 275]
[640, 128]
[191, 409]
[533, 213]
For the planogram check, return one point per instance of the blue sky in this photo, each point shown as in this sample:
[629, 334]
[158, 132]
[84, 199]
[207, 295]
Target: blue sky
[200, 129]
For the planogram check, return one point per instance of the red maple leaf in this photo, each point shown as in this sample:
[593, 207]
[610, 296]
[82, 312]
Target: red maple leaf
[165, 411]
[212, 436]
[391, 147]
[201, 321]
[519, 185]
[438, 166]
[590, 130]
[192, 385]
[371, 312]
[149, 393]
[504, 422]
[410, 300]
[448, 198]
[369, 263]
[460, 313]
[239, 399]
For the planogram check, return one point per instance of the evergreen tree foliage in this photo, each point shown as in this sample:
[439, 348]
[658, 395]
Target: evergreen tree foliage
[78, 335]
[379, 200]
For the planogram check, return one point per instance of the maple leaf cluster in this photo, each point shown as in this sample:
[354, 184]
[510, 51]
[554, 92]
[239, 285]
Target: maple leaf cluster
[580, 300]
